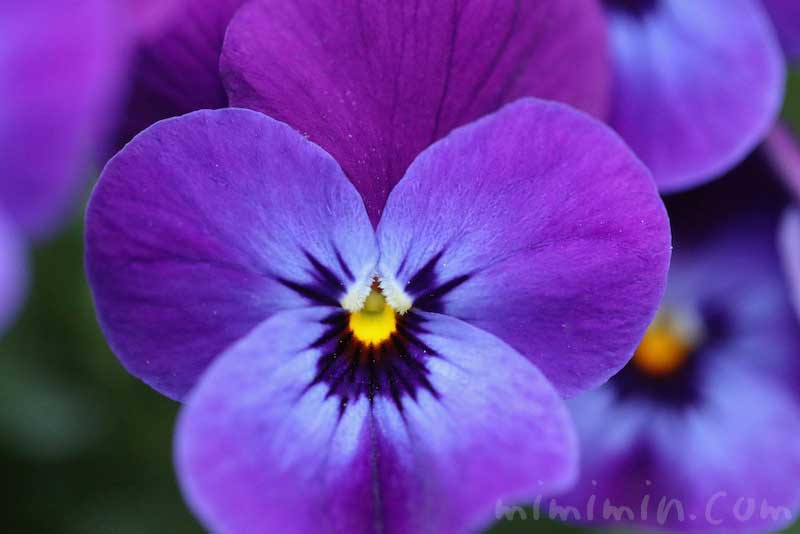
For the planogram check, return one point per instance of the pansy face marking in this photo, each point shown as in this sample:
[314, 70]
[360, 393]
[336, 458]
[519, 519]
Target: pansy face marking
[371, 345]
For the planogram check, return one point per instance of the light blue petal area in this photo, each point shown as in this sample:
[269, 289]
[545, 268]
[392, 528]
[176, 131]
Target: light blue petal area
[697, 86]
[262, 448]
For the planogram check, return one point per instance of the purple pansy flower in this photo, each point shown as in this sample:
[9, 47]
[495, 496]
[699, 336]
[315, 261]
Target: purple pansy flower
[390, 380]
[375, 82]
[697, 84]
[701, 431]
[59, 70]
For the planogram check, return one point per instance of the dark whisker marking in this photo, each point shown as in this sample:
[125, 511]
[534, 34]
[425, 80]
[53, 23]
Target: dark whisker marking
[431, 301]
[309, 292]
[395, 368]
[425, 277]
[326, 289]
[343, 406]
[401, 266]
[414, 340]
[343, 266]
[325, 276]
[331, 333]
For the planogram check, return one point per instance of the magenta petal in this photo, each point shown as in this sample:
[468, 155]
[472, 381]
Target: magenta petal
[261, 447]
[538, 225]
[698, 85]
[59, 72]
[198, 230]
[375, 82]
[176, 69]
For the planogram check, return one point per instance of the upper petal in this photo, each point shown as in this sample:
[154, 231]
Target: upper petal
[206, 224]
[697, 85]
[264, 446]
[176, 67]
[538, 225]
[60, 68]
[376, 82]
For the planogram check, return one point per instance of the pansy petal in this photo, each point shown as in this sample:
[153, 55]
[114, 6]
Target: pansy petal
[59, 72]
[264, 446]
[13, 275]
[206, 224]
[376, 82]
[785, 15]
[176, 69]
[538, 225]
[697, 85]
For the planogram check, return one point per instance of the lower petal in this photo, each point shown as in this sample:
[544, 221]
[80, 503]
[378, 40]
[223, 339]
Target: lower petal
[263, 445]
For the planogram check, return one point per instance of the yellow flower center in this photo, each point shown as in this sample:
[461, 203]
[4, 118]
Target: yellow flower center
[376, 321]
[665, 348]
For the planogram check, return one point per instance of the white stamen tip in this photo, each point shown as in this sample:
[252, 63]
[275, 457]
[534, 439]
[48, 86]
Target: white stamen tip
[357, 294]
[395, 296]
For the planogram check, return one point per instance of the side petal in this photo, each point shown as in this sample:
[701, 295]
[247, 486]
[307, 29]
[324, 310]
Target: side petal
[538, 225]
[262, 446]
[60, 70]
[697, 85]
[376, 82]
[785, 15]
[205, 225]
[176, 68]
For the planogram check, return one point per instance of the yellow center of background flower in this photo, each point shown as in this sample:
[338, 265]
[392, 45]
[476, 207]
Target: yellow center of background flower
[375, 322]
[665, 348]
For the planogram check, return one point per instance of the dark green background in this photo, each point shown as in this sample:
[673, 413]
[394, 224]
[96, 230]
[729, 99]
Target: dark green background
[84, 447]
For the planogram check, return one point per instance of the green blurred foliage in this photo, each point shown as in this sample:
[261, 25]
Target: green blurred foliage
[84, 447]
